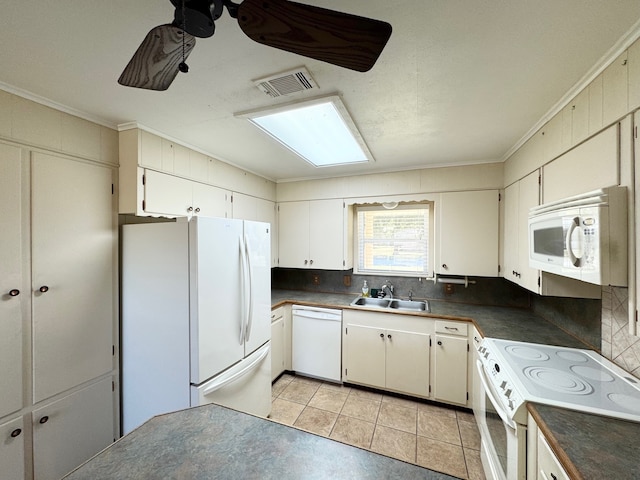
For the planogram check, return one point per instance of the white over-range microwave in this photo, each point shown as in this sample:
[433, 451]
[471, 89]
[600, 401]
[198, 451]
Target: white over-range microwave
[582, 237]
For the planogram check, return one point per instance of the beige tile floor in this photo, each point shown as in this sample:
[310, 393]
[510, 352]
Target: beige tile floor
[432, 436]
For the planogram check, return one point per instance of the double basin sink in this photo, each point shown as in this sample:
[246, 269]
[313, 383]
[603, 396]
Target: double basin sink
[392, 304]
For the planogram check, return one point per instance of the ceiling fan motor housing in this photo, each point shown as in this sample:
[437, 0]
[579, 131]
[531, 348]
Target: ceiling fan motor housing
[197, 17]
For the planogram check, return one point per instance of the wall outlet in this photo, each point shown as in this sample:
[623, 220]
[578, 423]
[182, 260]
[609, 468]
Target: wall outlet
[448, 288]
[315, 279]
[346, 279]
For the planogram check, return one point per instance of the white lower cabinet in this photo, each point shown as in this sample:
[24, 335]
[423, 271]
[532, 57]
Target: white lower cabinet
[389, 359]
[277, 343]
[450, 362]
[12, 449]
[400, 353]
[542, 463]
[71, 430]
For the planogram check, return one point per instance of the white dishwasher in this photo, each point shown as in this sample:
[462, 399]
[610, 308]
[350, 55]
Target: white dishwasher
[316, 342]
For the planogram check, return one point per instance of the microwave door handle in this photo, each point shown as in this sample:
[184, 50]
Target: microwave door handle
[575, 261]
[497, 405]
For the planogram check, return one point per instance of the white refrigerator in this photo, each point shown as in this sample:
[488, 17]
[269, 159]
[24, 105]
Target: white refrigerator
[196, 324]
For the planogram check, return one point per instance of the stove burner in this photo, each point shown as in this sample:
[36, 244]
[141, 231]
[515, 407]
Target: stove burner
[527, 353]
[573, 356]
[592, 373]
[558, 381]
[625, 401]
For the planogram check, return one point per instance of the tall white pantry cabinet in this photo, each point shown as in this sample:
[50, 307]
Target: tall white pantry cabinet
[58, 286]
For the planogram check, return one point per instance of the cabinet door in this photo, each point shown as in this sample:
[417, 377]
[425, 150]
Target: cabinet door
[293, 228]
[528, 196]
[364, 357]
[450, 369]
[633, 57]
[511, 232]
[326, 235]
[210, 201]
[244, 207]
[277, 348]
[71, 430]
[468, 240]
[12, 283]
[407, 362]
[73, 243]
[167, 195]
[150, 150]
[614, 90]
[12, 438]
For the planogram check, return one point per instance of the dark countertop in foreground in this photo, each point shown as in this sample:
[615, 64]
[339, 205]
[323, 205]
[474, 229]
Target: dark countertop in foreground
[590, 446]
[213, 442]
[498, 322]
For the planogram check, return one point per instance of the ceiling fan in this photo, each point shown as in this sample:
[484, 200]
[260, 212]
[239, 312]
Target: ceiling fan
[342, 39]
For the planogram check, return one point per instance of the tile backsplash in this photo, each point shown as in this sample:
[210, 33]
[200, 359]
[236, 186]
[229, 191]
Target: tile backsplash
[617, 344]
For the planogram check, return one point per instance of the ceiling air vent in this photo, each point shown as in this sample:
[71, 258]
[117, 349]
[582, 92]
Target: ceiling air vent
[286, 83]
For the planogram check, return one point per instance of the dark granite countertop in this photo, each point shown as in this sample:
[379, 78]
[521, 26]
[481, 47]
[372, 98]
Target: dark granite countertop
[498, 322]
[214, 442]
[590, 446]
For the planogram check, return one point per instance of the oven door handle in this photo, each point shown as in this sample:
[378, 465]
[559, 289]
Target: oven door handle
[497, 405]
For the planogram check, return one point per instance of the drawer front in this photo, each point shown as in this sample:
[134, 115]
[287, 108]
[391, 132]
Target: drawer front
[452, 328]
[277, 313]
[548, 466]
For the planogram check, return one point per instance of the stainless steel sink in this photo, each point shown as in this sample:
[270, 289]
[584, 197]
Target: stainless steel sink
[410, 305]
[371, 302]
[392, 304]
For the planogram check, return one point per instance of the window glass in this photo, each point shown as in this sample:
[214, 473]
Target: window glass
[393, 241]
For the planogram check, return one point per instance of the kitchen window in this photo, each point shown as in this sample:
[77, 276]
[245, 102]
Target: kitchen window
[394, 241]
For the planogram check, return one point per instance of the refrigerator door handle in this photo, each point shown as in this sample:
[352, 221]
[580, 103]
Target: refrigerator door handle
[250, 285]
[226, 379]
[242, 292]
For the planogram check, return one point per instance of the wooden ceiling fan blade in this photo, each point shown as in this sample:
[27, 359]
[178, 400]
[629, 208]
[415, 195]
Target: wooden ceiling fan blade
[156, 62]
[342, 39]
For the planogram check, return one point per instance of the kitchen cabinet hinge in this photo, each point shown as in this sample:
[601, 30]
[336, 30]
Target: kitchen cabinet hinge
[113, 350]
[635, 132]
[538, 280]
[112, 189]
[467, 347]
[113, 386]
[429, 388]
[231, 198]
[499, 197]
[429, 342]
[144, 179]
[539, 179]
[144, 205]
[467, 396]
[346, 330]
[498, 268]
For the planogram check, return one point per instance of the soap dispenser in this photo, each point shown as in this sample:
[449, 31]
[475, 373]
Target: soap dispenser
[365, 289]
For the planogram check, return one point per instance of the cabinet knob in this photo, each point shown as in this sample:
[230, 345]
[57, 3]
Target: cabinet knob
[439, 342]
[16, 433]
[43, 289]
[382, 335]
[43, 420]
[553, 476]
[444, 265]
[197, 210]
[389, 337]
[14, 293]
[310, 262]
[190, 209]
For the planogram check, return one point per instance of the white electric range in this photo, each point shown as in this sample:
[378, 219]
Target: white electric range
[513, 373]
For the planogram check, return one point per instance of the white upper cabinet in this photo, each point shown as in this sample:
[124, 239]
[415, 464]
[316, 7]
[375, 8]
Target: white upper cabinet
[468, 235]
[633, 57]
[13, 289]
[311, 234]
[519, 198]
[615, 84]
[593, 164]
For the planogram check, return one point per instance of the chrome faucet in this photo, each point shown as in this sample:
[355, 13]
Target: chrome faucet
[387, 289]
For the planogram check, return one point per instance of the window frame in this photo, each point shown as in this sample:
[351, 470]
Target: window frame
[401, 206]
